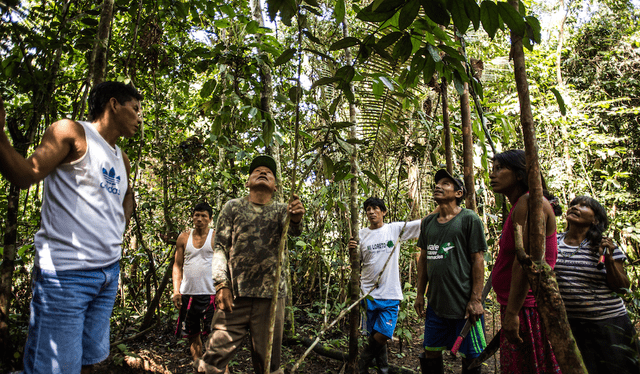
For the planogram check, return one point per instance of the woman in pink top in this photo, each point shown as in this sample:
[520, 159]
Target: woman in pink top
[524, 347]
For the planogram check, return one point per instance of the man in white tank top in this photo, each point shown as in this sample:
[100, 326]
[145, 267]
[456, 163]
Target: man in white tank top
[87, 202]
[193, 288]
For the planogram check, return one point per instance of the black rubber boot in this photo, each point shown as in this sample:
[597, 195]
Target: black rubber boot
[383, 361]
[431, 365]
[372, 350]
[465, 364]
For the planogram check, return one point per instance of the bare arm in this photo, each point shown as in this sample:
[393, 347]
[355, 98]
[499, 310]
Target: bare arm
[128, 202]
[519, 282]
[59, 144]
[617, 278]
[474, 306]
[177, 272]
[422, 282]
[219, 263]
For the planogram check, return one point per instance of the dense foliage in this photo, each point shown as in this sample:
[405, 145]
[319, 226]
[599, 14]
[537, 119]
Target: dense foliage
[203, 65]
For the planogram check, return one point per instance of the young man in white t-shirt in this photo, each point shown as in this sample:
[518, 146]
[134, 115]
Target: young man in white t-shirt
[377, 244]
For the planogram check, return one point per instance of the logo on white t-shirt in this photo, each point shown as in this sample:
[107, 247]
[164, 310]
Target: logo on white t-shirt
[111, 181]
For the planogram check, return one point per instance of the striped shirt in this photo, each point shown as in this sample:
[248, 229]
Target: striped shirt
[583, 287]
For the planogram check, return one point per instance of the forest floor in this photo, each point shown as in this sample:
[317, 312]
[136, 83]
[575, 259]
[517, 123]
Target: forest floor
[160, 352]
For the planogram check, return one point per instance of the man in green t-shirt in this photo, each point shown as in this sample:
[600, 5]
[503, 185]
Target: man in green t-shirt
[452, 245]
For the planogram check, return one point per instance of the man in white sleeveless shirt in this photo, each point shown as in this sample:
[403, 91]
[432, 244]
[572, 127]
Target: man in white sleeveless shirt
[193, 288]
[87, 202]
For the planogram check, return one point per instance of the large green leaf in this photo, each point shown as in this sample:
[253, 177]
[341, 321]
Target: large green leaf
[367, 14]
[560, 100]
[389, 39]
[208, 88]
[436, 11]
[490, 17]
[339, 11]
[374, 178]
[324, 81]
[533, 29]
[347, 42]
[408, 13]
[459, 15]
[512, 18]
[312, 37]
[346, 73]
[403, 48]
[473, 12]
[285, 56]
[429, 69]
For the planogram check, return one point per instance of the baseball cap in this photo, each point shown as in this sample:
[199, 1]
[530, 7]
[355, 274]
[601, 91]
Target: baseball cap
[263, 160]
[443, 173]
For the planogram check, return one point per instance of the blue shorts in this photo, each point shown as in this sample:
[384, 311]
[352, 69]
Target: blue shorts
[69, 322]
[441, 334]
[382, 316]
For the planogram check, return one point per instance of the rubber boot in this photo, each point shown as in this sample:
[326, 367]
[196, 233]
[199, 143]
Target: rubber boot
[465, 364]
[431, 365]
[383, 361]
[372, 350]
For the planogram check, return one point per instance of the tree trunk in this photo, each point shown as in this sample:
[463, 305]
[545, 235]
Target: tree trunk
[98, 61]
[153, 305]
[565, 349]
[446, 127]
[6, 273]
[467, 149]
[99, 55]
[551, 308]
[354, 256]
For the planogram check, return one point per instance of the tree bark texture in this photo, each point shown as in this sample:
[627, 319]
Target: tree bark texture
[155, 302]
[354, 255]
[551, 308]
[99, 55]
[541, 279]
[536, 215]
[467, 149]
[446, 126]
[6, 273]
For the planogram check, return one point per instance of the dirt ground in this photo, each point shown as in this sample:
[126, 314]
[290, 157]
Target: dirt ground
[160, 352]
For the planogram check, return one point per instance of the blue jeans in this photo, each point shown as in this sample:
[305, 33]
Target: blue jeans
[69, 322]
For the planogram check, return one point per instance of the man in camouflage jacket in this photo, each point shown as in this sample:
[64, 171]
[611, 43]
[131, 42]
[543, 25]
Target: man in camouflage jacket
[244, 261]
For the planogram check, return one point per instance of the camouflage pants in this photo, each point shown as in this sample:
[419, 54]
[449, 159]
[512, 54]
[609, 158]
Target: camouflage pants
[250, 316]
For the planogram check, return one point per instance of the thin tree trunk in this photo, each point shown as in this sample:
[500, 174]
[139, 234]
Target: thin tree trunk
[287, 222]
[561, 42]
[153, 305]
[6, 273]
[467, 149]
[551, 308]
[565, 349]
[99, 55]
[354, 257]
[98, 61]
[446, 126]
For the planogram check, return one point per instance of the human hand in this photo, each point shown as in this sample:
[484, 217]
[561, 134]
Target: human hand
[418, 305]
[607, 244]
[177, 300]
[511, 328]
[353, 244]
[474, 310]
[296, 209]
[224, 299]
